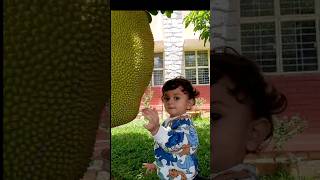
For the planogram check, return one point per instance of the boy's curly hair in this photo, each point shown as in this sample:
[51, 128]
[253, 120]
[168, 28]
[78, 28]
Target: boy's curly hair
[251, 88]
[180, 81]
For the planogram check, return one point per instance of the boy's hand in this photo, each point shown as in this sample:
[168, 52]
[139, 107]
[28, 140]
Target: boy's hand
[153, 118]
[150, 167]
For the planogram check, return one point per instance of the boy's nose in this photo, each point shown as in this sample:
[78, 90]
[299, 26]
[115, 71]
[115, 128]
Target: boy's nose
[170, 101]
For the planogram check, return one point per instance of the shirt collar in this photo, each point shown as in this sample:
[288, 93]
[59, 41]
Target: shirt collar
[182, 115]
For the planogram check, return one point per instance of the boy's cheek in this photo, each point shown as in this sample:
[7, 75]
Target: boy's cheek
[228, 134]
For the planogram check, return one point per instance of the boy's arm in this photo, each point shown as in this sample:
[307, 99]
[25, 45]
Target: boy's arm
[193, 139]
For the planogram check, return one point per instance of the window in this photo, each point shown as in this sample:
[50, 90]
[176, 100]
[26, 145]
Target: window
[287, 40]
[250, 8]
[297, 7]
[157, 75]
[197, 66]
[258, 42]
[299, 51]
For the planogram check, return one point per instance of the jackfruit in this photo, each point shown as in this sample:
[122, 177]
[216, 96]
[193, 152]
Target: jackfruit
[56, 78]
[131, 63]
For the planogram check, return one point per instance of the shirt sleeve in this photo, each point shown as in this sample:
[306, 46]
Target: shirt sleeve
[193, 139]
[174, 140]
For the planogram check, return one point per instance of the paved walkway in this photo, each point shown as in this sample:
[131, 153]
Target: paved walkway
[99, 168]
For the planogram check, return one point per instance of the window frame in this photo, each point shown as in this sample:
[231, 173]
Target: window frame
[277, 19]
[196, 66]
[158, 69]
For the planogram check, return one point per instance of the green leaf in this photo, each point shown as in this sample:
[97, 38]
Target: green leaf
[201, 23]
[154, 12]
[168, 13]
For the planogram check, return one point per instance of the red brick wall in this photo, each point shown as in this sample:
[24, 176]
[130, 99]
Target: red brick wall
[156, 98]
[303, 94]
[204, 93]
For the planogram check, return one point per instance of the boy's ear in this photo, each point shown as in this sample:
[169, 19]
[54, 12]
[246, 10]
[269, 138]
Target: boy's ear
[190, 103]
[257, 133]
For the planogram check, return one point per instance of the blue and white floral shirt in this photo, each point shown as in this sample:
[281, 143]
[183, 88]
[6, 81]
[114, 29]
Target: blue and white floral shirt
[175, 148]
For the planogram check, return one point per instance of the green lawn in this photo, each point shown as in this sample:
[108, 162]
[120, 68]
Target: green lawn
[132, 145]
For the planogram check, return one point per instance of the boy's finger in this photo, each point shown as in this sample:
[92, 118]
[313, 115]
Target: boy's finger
[149, 113]
[148, 118]
[146, 111]
[154, 113]
[146, 126]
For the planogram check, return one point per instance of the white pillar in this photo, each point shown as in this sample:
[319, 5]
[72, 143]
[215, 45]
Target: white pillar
[225, 23]
[173, 45]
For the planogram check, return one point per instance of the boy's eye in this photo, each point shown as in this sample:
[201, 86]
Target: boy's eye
[166, 98]
[215, 116]
[176, 98]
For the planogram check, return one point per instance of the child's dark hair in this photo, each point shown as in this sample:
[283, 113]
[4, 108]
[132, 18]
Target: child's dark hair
[180, 81]
[250, 85]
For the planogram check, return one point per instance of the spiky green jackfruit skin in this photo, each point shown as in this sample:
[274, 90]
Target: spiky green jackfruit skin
[56, 79]
[131, 63]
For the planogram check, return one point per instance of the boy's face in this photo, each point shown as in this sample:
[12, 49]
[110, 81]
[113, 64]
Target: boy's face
[176, 102]
[232, 132]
